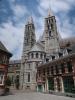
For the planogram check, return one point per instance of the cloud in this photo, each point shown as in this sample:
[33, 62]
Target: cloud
[12, 37]
[59, 7]
[19, 11]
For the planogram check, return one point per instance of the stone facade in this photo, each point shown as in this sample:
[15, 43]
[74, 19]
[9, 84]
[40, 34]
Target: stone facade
[34, 53]
[57, 75]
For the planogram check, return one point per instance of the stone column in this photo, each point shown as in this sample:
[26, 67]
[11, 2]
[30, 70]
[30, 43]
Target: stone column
[34, 55]
[55, 85]
[65, 66]
[39, 55]
[43, 56]
[43, 87]
[47, 84]
[61, 84]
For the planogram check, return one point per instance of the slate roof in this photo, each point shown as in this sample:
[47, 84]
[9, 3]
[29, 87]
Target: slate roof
[3, 48]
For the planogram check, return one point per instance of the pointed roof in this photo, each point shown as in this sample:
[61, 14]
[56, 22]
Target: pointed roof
[50, 12]
[30, 20]
[37, 48]
[3, 48]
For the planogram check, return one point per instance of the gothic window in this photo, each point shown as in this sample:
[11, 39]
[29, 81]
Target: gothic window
[52, 26]
[29, 66]
[49, 33]
[36, 55]
[41, 55]
[28, 77]
[32, 55]
[49, 21]
[52, 19]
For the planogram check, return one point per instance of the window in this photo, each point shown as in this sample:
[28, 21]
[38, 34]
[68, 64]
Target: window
[36, 55]
[29, 66]
[28, 77]
[41, 55]
[32, 55]
[49, 33]
[52, 26]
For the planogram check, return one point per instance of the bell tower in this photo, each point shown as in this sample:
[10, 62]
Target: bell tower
[51, 34]
[29, 37]
[29, 41]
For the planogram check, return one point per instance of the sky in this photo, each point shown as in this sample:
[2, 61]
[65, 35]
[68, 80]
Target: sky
[15, 13]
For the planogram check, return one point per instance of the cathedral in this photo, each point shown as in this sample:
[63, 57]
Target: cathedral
[36, 53]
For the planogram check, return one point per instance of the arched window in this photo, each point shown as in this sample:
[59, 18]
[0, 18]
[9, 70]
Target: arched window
[41, 55]
[36, 55]
[32, 55]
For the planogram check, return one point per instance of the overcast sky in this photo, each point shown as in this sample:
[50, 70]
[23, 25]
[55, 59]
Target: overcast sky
[15, 13]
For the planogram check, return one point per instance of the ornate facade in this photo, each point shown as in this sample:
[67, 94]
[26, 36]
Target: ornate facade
[35, 53]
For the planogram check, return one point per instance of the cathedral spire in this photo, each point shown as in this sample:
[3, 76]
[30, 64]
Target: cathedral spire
[30, 20]
[50, 12]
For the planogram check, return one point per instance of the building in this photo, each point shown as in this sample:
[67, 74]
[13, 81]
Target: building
[14, 70]
[34, 52]
[4, 62]
[59, 73]
[38, 54]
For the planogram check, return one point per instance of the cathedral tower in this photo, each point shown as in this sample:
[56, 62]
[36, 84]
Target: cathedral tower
[29, 41]
[29, 37]
[51, 34]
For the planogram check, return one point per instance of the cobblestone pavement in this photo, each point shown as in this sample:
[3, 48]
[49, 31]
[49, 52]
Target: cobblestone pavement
[34, 96]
